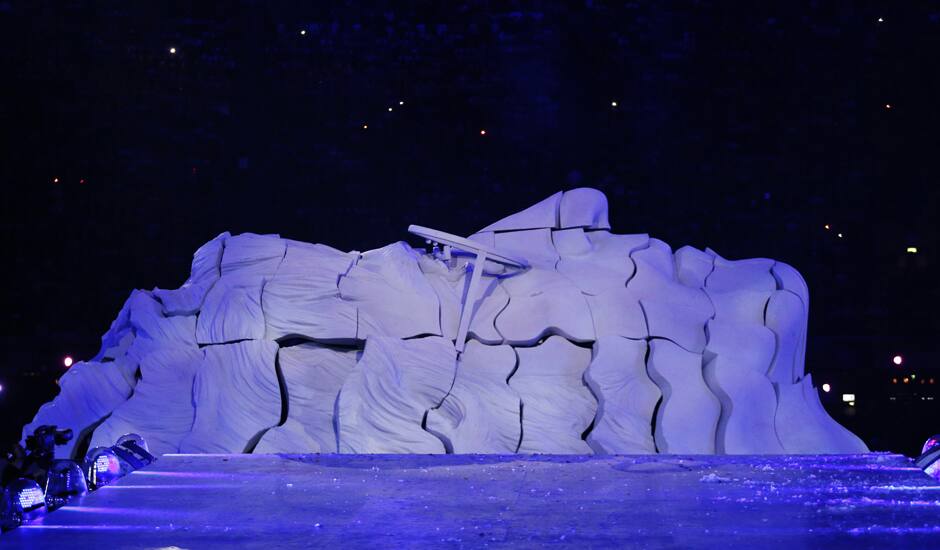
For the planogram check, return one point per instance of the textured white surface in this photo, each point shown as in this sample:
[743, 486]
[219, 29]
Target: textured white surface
[88, 393]
[687, 418]
[187, 299]
[543, 302]
[557, 407]
[392, 295]
[748, 346]
[597, 261]
[617, 312]
[786, 318]
[751, 274]
[802, 424]
[481, 412]
[583, 207]
[535, 245]
[251, 253]
[161, 408]
[232, 310]
[748, 408]
[693, 266]
[673, 310]
[383, 401]
[302, 297]
[626, 397]
[368, 362]
[313, 376]
[541, 214]
[492, 301]
[237, 398]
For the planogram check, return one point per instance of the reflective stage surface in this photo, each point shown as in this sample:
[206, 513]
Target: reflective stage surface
[382, 501]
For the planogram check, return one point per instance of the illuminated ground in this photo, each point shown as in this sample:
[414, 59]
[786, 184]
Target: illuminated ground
[371, 501]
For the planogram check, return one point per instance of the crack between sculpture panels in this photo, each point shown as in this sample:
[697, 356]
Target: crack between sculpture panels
[448, 444]
[597, 409]
[659, 402]
[521, 403]
[285, 406]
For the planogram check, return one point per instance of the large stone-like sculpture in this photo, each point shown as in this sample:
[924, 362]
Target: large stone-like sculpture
[591, 342]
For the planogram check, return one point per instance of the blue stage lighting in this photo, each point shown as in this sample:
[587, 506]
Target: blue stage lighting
[25, 499]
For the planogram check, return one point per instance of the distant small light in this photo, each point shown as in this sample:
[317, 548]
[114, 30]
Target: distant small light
[848, 397]
[897, 359]
[881, 20]
[912, 250]
[390, 109]
[482, 132]
[67, 361]
[401, 102]
[887, 106]
[303, 32]
[365, 126]
[55, 180]
[827, 227]
[931, 381]
[82, 180]
[913, 376]
[907, 380]
[172, 51]
[851, 403]
[1, 387]
[894, 380]
[826, 388]
[839, 235]
[613, 103]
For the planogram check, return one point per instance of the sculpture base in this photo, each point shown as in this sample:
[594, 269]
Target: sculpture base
[388, 501]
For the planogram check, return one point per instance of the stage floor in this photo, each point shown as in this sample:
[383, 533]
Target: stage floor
[402, 501]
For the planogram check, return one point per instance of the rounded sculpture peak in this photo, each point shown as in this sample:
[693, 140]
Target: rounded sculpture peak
[582, 207]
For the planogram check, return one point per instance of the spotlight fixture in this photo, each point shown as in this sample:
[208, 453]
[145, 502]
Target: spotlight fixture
[102, 467]
[136, 439]
[132, 450]
[897, 360]
[931, 443]
[929, 461]
[64, 482]
[25, 500]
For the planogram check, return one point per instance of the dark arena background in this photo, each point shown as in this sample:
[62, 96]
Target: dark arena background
[802, 131]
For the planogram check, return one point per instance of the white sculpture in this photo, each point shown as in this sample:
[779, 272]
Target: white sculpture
[542, 333]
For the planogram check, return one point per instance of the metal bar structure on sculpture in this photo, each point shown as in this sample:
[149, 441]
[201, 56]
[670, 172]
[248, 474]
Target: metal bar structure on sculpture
[481, 253]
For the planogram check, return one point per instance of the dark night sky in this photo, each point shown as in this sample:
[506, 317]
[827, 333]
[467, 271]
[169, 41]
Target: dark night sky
[743, 129]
